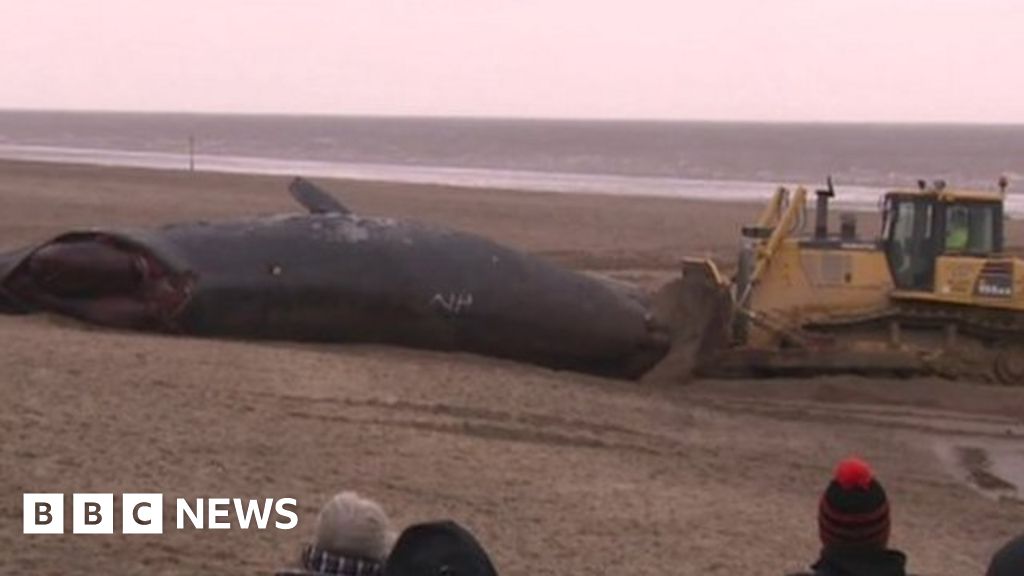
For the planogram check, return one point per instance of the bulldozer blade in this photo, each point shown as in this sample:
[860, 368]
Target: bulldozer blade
[698, 309]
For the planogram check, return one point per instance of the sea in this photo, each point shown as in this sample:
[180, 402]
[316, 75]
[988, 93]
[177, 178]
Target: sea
[721, 161]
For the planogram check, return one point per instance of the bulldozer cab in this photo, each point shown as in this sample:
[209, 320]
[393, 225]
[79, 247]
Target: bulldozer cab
[920, 227]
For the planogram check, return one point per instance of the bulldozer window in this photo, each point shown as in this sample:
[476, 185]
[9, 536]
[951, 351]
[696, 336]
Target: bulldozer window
[910, 243]
[971, 228]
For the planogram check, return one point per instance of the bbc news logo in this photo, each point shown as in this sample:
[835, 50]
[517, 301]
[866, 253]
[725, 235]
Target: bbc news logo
[144, 513]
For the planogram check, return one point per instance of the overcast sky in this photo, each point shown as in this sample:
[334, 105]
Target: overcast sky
[847, 60]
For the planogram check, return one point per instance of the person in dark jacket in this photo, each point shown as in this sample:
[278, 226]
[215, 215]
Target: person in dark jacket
[1009, 560]
[438, 549]
[853, 525]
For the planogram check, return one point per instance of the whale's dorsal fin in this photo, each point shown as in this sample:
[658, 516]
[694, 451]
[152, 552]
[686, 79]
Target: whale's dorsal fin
[315, 199]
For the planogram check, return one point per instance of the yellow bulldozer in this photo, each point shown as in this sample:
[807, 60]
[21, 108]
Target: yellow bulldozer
[934, 293]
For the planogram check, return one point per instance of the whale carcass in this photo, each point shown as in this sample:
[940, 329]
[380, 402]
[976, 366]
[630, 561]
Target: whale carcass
[329, 275]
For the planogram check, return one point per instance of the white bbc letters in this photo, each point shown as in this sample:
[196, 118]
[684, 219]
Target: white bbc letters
[218, 509]
[43, 513]
[92, 514]
[194, 516]
[142, 513]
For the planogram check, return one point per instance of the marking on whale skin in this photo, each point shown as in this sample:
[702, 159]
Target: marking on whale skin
[453, 302]
[349, 232]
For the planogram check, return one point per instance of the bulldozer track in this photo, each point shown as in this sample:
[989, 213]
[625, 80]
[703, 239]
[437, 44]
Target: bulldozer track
[999, 332]
[985, 324]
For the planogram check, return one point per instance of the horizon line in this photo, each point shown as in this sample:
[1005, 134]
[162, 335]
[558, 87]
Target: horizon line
[507, 118]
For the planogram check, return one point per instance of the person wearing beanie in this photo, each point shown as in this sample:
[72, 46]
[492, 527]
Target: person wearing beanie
[854, 524]
[438, 549]
[353, 537]
[1009, 560]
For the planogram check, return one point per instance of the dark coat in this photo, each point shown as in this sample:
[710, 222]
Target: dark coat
[1009, 561]
[438, 548]
[839, 562]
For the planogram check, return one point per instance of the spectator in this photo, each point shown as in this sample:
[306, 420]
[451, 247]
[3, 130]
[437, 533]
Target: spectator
[438, 549]
[853, 524]
[1009, 561]
[353, 537]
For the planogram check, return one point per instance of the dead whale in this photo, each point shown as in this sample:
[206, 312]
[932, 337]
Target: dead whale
[329, 275]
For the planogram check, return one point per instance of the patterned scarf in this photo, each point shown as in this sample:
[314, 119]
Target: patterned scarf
[323, 562]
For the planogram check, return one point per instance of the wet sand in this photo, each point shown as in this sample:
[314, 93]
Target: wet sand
[557, 473]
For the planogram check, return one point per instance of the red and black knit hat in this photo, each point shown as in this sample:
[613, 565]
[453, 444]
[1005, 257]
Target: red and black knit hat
[854, 510]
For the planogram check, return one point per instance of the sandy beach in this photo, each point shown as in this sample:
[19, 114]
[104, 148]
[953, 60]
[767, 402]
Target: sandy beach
[557, 473]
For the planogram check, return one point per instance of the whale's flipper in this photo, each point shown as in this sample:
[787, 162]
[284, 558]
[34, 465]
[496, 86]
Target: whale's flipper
[315, 199]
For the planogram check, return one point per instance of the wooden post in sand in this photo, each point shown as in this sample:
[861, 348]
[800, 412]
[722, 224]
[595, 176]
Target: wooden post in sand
[191, 153]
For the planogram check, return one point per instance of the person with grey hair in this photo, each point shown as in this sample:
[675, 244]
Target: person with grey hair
[353, 537]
